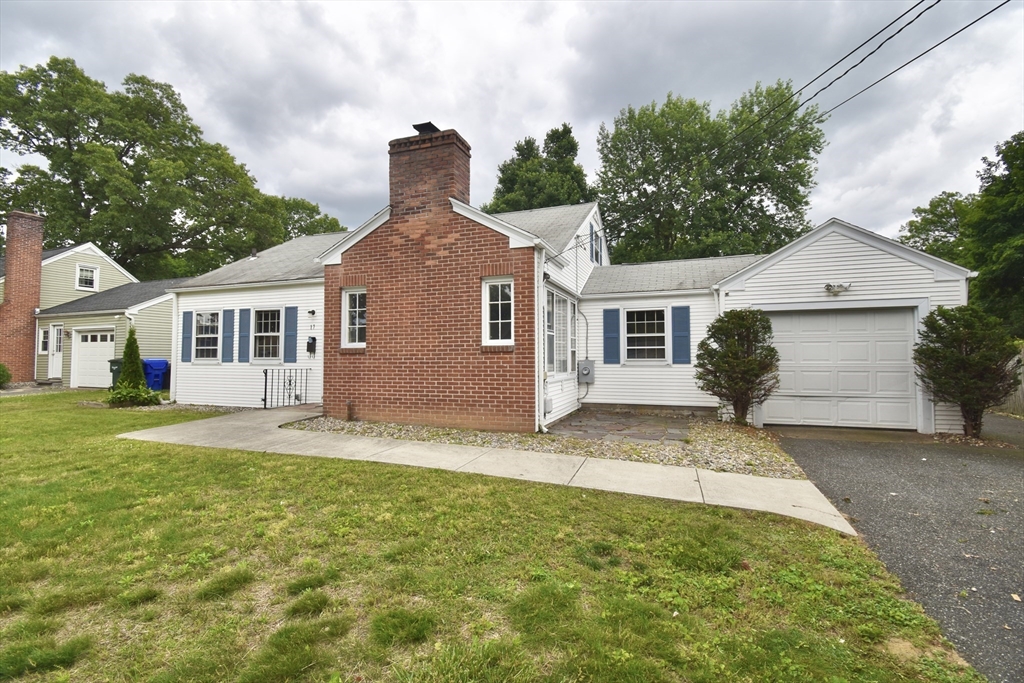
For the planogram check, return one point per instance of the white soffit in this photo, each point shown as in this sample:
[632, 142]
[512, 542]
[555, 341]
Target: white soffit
[943, 270]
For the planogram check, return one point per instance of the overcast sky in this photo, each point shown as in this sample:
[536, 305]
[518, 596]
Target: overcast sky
[308, 95]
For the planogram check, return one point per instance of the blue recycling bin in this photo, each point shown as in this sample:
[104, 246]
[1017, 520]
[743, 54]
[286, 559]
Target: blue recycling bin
[157, 371]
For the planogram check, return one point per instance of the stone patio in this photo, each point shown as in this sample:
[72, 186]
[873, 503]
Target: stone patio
[612, 425]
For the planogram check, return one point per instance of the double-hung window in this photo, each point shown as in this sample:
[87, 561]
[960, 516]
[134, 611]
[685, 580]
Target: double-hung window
[353, 315]
[595, 245]
[88, 278]
[267, 334]
[645, 334]
[207, 337]
[497, 312]
[44, 340]
[560, 333]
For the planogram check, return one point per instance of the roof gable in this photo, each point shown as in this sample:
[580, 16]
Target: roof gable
[943, 270]
[53, 255]
[556, 225]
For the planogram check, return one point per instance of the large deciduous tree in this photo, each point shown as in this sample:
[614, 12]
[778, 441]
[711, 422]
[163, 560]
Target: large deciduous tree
[130, 171]
[938, 229]
[679, 182]
[536, 178]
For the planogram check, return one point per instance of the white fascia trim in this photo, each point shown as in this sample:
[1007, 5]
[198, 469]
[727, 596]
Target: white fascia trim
[943, 270]
[517, 238]
[90, 247]
[146, 304]
[248, 285]
[333, 255]
[919, 303]
[82, 314]
[646, 295]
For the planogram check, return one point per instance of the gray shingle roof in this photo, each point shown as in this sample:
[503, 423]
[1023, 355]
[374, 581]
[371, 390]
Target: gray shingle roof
[117, 298]
[555, 225]
[47, 253]
[665, 276]
[293, 260]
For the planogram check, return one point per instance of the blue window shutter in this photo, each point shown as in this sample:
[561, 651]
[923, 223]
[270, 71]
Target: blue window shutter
[186, 337]
[291, 332]
[611, 336]
[227, 337]
[243, 334]
[681, 335]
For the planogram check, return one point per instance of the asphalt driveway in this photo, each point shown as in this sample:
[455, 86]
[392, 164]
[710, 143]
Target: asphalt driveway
[947, 520]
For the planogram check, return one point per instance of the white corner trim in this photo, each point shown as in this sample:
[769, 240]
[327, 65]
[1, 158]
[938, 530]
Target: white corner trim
[517, 237]
[333, 255]
[942, 270]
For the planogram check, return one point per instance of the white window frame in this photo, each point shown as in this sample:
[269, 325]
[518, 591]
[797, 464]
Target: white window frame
[552, 340]
[253, 358]
[79, 267]
[572, 335]
[666, 359]
[345, 292]
[485, 311]
[43, 344]
[196, 335]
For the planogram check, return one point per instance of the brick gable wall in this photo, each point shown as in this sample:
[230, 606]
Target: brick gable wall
[21, 295]
[424, 362]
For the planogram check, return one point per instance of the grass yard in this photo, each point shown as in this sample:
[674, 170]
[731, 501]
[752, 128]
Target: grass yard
[133, 561]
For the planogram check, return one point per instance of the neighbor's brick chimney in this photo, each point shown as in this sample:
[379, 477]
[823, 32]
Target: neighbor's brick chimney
[21, 295]
[426, 170]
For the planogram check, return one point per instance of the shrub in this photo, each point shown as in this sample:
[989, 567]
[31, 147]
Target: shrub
[139, 396]
[736, 360]
[967, 358]
[5, 376]
[132, 375]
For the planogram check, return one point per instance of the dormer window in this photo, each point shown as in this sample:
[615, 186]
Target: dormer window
[88, 278]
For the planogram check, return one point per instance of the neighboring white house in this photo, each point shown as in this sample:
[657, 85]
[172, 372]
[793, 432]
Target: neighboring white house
[252, 330]
[846, 306]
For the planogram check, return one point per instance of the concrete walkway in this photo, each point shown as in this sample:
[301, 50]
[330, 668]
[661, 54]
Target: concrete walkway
[258, 430]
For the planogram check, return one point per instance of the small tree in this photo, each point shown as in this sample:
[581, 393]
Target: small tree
[736, 360]
[131, 389]
[966, 357]
[132, 375]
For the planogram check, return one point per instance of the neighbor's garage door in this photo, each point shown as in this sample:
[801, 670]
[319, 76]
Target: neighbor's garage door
[93, 350]
[845, 368]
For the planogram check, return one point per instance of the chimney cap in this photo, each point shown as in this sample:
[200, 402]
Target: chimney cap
[426, 127]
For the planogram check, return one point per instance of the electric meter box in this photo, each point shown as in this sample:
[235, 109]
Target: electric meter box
[586, 371]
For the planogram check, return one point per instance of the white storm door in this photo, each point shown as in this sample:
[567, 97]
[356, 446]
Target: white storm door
[56, 364]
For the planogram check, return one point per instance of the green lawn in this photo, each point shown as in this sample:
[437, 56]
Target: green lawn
[128, 561]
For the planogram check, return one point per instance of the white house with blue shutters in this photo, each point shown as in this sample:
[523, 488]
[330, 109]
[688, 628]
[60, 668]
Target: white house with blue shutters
[846, 305]
[252, 330]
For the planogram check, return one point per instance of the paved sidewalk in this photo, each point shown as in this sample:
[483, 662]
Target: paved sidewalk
[258, 430]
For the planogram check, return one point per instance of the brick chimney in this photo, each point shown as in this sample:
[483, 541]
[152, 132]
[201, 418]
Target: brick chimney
[21, 295]
[426, 170]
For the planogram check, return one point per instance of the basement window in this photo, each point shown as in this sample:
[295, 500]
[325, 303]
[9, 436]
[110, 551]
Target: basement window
[645, 334]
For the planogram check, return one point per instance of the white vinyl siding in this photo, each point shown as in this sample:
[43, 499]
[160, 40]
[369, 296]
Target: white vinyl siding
[654, 383]
[241, 384]
[875, 276]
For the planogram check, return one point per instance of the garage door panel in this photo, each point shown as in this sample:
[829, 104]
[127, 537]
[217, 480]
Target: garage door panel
[893, 352]
[853, 351]
[851, 368]
[853, 382]
[815, 381]
[814, 352]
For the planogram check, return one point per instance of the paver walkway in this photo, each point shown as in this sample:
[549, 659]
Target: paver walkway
[258, 430]
[611, 426]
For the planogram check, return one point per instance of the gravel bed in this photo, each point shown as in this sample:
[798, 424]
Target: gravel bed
[711, 445]
[963, 440]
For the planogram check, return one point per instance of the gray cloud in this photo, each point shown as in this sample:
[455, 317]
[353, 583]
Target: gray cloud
[308, 95]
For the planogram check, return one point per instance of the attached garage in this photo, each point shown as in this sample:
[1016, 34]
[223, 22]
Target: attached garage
[846, 368]
[91, 351]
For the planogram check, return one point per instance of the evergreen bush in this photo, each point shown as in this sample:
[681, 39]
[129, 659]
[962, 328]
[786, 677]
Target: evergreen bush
[132, 375]
[5, 376]
[967, 358]
[736, 360]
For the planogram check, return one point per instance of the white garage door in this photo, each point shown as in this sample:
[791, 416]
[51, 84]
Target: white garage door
[849, 368]
[92, 351]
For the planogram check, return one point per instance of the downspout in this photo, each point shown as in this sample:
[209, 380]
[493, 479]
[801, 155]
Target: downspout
[538, 359]
[718, 301]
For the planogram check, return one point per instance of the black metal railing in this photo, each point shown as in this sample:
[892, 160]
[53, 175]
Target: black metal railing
[285, 387]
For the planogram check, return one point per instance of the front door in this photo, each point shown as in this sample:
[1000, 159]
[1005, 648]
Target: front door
[56, 352]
